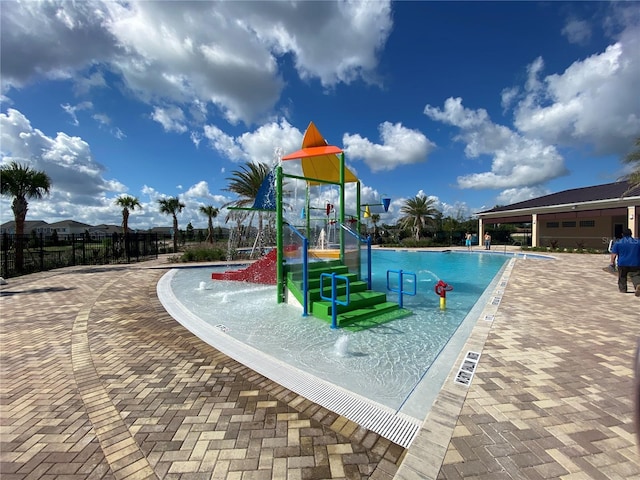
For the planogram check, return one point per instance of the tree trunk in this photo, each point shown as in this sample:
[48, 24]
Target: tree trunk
[19, 207]
[175, 234]
[210, 231]
[125, 230]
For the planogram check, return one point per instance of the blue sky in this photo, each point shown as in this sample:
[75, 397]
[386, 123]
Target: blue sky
[474, 104]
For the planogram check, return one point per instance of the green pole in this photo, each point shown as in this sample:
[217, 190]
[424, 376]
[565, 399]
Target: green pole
[342, 207]
[358, 226]
[279, 237]
[307, 212]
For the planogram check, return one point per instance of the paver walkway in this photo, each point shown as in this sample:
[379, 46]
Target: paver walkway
[98, 381]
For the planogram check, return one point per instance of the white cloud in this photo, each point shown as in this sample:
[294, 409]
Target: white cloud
[32, 33]
[516, 160]
[194, 55]
[594, 102]
[256, 146]
[199, 190]
[72, 109]
[79, 189]
[514, 195]
[508, 96]
[66, 159]
[84, 85]
[400, 146]
[172, 119]
[577, 31]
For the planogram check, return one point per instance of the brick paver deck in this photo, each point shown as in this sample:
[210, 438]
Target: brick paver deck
[98, 381]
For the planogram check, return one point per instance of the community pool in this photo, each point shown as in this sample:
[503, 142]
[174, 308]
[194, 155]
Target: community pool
[400, 365]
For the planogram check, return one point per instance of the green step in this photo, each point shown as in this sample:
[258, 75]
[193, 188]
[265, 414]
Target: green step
[323, 308]
[314, 273]
[314, 283]
[296, 269]
[341, 290]
[373, 316]
[366, 308]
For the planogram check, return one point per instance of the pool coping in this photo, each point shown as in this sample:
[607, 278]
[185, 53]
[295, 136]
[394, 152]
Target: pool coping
[424, 458]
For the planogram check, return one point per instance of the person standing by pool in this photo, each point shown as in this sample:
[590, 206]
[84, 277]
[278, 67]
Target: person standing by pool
[487, 241]
[467, 240]
[627, 252]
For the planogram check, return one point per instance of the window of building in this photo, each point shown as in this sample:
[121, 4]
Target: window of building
[569, 224]
[587, 223]
[553, 224]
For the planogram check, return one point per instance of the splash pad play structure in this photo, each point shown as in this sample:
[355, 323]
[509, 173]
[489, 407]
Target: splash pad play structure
[316, 262]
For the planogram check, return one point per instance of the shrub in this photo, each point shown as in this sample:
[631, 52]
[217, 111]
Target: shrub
[202, 254]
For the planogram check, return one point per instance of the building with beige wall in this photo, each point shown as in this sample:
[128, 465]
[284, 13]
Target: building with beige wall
[587, 217]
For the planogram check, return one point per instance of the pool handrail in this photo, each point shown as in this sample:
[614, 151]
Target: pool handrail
[366, 240]
[400, 291]
[334, 295]
[305, 269]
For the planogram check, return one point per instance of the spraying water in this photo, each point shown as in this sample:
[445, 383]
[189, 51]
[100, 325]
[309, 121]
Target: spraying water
[341, 347]
[202, 286]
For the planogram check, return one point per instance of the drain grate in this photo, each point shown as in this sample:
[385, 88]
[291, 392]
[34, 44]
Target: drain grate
[467, 369]
[489, 318]
[495, 300]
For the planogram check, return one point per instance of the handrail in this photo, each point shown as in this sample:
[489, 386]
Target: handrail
[400, 291]
[305, 269]
[366, 240]
[353, 232]
[334, 295]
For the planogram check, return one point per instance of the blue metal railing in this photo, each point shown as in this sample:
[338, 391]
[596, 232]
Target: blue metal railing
[400, 290]
[305, 269]
[334, 295]
[366, 240]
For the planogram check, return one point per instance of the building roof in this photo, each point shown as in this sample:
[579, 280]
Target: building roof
[608, 191]
[28, 224]
[70, 224]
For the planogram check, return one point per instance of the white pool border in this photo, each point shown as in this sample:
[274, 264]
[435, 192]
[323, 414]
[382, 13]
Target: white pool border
[401, 426]
[397, 427]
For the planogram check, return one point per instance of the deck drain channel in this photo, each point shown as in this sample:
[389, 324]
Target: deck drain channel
[467, 369]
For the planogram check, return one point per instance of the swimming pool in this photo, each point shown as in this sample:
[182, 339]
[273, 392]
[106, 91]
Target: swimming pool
[386, 365]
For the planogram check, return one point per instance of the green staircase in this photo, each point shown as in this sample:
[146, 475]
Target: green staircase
[366, 308]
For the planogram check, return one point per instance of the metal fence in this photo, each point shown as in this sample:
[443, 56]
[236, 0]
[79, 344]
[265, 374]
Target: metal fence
[20, 255]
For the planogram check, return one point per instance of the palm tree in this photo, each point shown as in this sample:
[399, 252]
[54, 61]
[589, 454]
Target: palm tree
[22, 183]
[633, 159]
[172, 206]
[211, 212]
[418, 213]
[245, 183]
[127, 203]
[375, 218]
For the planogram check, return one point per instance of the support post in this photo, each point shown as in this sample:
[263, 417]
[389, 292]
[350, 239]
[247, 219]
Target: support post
[279, 237]
[358, 231]
[342, 258]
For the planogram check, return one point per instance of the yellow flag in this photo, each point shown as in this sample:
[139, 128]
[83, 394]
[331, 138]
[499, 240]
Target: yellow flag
[367, 212]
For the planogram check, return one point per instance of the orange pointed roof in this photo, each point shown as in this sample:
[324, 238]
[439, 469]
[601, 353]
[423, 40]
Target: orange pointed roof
[319, 159]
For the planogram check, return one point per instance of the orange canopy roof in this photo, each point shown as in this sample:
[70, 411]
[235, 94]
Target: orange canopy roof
[319, 159]
[312, 152]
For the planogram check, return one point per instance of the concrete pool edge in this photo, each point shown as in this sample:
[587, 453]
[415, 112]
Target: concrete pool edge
[422, 397]
[427, 452]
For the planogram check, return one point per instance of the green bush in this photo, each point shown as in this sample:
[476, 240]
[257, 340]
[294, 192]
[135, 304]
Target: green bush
[203, 254]
[412, 243]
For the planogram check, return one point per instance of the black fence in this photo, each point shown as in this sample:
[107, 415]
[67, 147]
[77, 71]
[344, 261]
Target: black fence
[20, 255]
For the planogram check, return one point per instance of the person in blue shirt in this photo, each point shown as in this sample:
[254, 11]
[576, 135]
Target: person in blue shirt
[627, 252]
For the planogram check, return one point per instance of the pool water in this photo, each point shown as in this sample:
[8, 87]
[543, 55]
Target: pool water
[384, 364]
